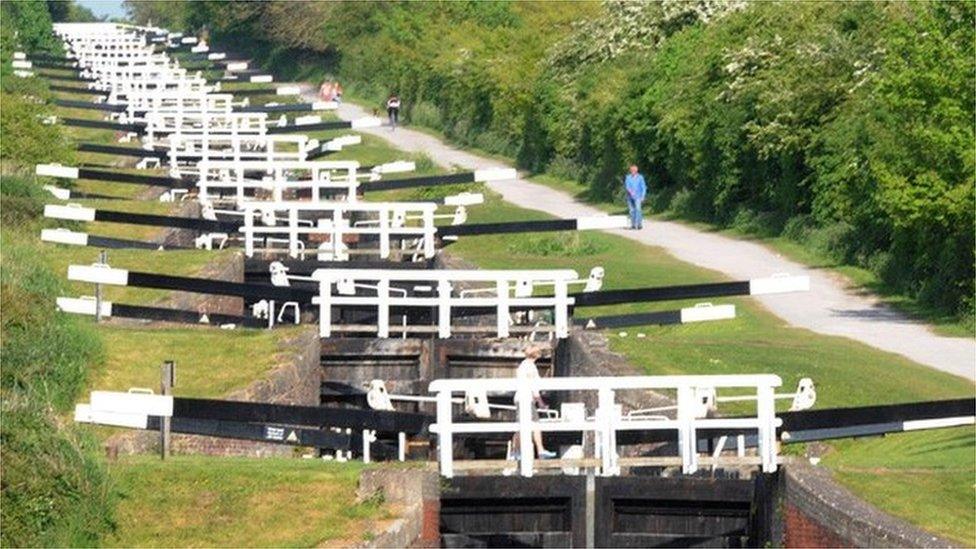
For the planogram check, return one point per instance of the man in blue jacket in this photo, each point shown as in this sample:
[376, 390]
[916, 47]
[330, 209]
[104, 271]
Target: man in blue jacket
[636, 190]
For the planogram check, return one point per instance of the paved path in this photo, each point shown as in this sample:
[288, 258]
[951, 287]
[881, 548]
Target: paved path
[828, 308]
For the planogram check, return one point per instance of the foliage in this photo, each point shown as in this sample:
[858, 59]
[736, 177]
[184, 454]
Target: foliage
[54, 490]
[853, 115]
[31, 21]
[35, 142]
[70, 11]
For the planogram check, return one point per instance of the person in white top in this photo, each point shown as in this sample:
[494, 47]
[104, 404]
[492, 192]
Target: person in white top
[393, 110]
[528, 370]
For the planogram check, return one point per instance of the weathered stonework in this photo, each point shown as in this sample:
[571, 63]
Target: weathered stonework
[228, 268]
[294, 381]
[819, 512]
[415, 491]
[181, 237]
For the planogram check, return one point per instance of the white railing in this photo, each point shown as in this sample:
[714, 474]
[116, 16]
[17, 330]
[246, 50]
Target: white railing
[440, 290]
[164, 127]
[187, 151]
[607, 420]
[277, 178]
[178, 103]
[120, 90]
[334, 221]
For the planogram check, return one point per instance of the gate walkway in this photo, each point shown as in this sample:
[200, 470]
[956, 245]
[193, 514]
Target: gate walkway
[830, 307]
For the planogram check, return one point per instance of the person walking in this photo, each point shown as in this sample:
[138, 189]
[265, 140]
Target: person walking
[326, 91]
[636, 191]
[337, 93]
[393, 110]
[528, 370]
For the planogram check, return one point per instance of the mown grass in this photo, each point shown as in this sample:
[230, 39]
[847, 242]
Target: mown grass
[925, 478]
[238, 502]
[174, 262]
[123, 230]
[210, 362]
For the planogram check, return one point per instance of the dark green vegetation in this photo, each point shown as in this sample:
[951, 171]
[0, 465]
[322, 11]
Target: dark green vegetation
[846, 127]
[54, 489]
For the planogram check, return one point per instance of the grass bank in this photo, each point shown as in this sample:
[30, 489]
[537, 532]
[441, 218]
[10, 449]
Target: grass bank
[847, 373]
[194, 501]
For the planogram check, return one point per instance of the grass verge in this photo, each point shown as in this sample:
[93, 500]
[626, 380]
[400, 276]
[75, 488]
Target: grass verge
[925, 478]
[193, 501]
[210, 362]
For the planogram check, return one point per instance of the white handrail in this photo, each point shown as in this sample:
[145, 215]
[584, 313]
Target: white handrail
[333, 221]
[443, 297]
[607, 421]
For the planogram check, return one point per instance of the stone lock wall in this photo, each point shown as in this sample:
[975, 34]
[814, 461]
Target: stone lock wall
[415, 492]
[294, 381]
[819, 512]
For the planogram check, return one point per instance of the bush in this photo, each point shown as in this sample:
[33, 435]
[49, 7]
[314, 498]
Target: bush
[22, 200]
[423, 162]
[34, 142]
[756, 223]
[54, 492]
[798, 227]
[571, 244]
[426, 114]
[565, 168]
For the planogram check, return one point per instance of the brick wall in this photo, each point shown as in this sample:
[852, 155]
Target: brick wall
[801, 531]
[416, 492]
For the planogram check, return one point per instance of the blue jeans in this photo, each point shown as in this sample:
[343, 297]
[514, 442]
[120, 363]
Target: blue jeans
[636, 215]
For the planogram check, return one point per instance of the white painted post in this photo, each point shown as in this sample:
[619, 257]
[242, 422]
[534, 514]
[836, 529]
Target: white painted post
[366, 438]
[445, 439]
[444, 309]
[523, 399]
[384, 214]
[766, 440]
[383, 308]
[685, 414]
[325, 308]
[562, 308]
[249, 232]
[501, 288]
[401, 446]
[293, 232]
[429, 233]
[605, 410]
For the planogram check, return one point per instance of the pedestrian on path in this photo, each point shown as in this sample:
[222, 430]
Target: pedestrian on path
[393, 110]
[636, 191]
[337, 92]
[326, 90]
